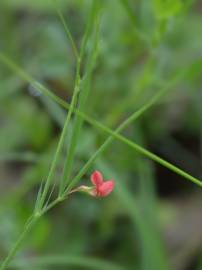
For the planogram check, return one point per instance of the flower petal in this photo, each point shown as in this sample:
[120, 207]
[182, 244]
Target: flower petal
[96, 178]
[106, 188]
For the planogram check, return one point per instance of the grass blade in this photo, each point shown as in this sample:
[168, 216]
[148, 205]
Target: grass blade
[156, 255]
[83, 96]
[102, 127]
[67, 31]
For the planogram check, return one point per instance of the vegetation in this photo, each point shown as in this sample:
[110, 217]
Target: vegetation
[112, 86]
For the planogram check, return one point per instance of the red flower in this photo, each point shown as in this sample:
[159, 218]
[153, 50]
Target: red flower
[101, 188]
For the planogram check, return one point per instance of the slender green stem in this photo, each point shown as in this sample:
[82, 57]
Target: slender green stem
[68, 33]
[41, 208]
[83, 97]
[102, 127]
[95, 6]
[21, 238]
[53, 203]
[61, 142]
[136, 147]
[28, 226]
[73, 103]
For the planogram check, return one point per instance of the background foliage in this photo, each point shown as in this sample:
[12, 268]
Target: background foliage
[153, 218]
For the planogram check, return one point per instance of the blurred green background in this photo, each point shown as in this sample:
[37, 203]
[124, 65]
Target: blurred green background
[153, 218]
